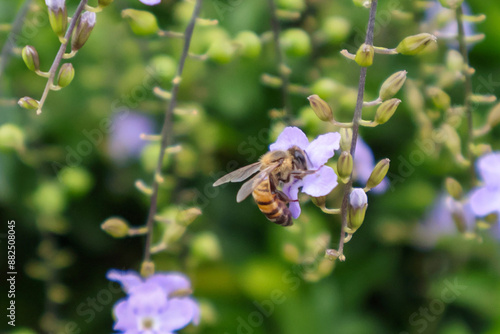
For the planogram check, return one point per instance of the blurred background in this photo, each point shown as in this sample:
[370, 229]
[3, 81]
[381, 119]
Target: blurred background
[66, 171]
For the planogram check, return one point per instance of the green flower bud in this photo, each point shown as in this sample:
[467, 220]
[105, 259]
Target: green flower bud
[345, 139]
[454, 60]
[221, 51]
[321, 108]
[141, 22]
[454, 188]
[77, 180]
[49, 198]
[358, 203]
[494, 116]
[116, 227]
[439, 98]
[415, 44]
[164, 66]
[378, 173]
[319, 201]
[296, 42]
[66, 75]
[364, 55]
[451, 4]
[186, 217]
[327, 88]
[81, 34]
[104, 3]
[28, 103]
[361, 3]
[457, 213]
[480, 149]
[452, 142]
[147, 269]
[386, 110]
[58, 16]
[345, 165]
[30, 57]
[296, 5]
[11, 137]
[206, 246]
[336, 29]
[250, 45]
[392, 85]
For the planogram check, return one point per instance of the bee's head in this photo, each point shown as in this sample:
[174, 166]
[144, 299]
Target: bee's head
[299, 158]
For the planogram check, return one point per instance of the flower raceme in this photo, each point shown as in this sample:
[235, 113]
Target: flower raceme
[158, 304]
[318, 152]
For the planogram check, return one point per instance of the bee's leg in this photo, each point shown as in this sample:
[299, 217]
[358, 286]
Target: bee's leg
[283, 197]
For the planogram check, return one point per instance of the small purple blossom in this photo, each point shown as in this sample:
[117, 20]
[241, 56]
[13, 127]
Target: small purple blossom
[55, 5]
[155, 305]
[358, 198]
[150, 2]
[88, 18]
[318, 152]
[125, 141]
[486, 199]
[364, 162]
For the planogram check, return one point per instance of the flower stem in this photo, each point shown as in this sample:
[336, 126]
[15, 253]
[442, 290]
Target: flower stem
[283, 69]
[166, 132]
[467, 93]
[355, 127]
[60, 54]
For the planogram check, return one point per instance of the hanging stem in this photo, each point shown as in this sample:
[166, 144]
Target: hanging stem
[166, 132]
[467, 93]
[283, 69]
[60, 54]
[355, 129]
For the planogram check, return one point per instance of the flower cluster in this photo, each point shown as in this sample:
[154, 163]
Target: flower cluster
[157, 304]
[324, 179]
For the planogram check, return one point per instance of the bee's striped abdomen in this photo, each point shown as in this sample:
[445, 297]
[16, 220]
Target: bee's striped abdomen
[271, 206]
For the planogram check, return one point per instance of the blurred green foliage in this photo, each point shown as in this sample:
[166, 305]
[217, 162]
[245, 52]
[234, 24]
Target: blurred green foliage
[250, 276]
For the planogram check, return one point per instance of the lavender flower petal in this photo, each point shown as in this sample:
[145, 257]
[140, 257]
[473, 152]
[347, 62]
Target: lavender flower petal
[291, 136]
[322, 148]
[320, 183]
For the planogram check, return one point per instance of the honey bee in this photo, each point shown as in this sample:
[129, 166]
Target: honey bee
[274, 169]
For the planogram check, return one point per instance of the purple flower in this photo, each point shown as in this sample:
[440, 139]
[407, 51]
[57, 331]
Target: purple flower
[55, 5]
[150, 2]
[125, 141]
[486, 199]
[156, 305]
[364, 162]
[358, 198]
[324, 179]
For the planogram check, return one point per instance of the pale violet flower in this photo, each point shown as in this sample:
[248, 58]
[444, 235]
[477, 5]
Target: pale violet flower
[364, 162]
[156, 305]
[486, 199]
[324, 179]
[358, 198]
[55, 5]
[150, 2]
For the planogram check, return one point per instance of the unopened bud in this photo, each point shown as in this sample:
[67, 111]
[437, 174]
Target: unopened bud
[452, 139]
[141, 22]
[453, 188]
[439, 98]
[451, 4]
[66, 75]
[480, 149]
[386, 110]
[364, 55]
[457, 213]
[494, 116]
[186, 217]
[319, 201]
[82, 31]
[345, 164]
[28, 103]
[378, 173]
[296, 42]
[250, 44]
[58, 16]
[454, 60]
[205, 246]
[415, 44]
[321, 108]
[358, 203]
[105, 3]
[221, 51]
[345, 139]
[147, 269]
[392, 85]
[11, 137]
[30, 57]
[116, 227]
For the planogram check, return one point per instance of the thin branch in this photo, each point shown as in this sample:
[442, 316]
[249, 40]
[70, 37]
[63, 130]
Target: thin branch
[12, 38]
[60, 54]
[283, 69]
[166, 133]
[467, 93]
[355, 128]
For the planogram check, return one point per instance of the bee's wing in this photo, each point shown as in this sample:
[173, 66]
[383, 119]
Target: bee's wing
[239, 175]
[249, 186]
